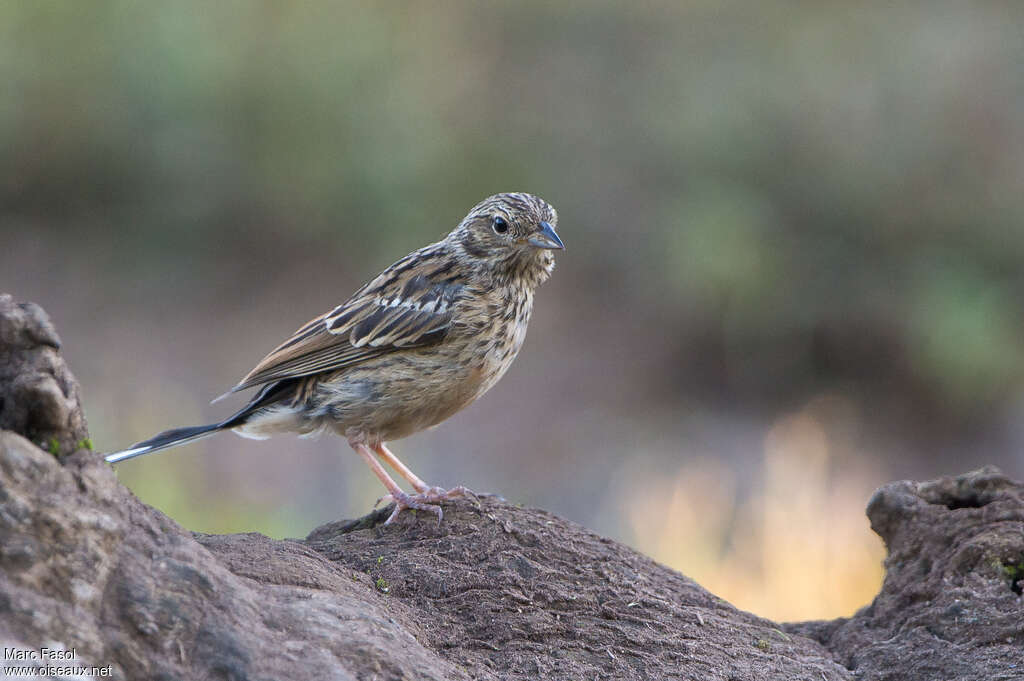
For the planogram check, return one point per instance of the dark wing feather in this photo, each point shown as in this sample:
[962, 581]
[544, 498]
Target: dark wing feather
[408, 305]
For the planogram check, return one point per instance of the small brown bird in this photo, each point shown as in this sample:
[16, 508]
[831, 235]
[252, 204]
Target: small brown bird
[420, 341]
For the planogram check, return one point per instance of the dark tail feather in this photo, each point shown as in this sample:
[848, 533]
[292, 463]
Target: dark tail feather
[269, 394]
[166, 439]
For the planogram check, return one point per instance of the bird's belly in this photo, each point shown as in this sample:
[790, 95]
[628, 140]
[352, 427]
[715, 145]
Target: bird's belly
[433, 407]
[408, 396]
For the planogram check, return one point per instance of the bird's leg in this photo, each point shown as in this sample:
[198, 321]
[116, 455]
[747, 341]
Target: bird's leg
[400, 468]
[401, 499]
[426, 493]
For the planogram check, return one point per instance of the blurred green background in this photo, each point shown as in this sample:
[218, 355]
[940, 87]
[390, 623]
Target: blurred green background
[794, 271]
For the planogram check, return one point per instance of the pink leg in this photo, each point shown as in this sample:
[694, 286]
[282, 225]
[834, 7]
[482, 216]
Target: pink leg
[392, 460]
[426, 493]
[401, 499]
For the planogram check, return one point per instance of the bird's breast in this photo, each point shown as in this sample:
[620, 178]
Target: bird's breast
[498, 343]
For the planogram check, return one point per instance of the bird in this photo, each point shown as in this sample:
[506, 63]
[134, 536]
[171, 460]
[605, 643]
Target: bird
[419, 342]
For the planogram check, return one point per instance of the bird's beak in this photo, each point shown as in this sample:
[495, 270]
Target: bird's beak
[545, 237]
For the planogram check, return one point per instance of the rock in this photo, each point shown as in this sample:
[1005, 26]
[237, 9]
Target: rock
[512, 593]
[950, 606]
[39, 397]
[86, 565]
[496, 592]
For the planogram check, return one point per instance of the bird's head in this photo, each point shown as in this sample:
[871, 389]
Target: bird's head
[511, 234]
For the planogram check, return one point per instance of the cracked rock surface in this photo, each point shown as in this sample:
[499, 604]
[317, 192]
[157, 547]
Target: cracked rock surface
[497, 592]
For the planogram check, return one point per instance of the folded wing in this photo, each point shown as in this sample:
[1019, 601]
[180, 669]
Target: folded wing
[409, 305]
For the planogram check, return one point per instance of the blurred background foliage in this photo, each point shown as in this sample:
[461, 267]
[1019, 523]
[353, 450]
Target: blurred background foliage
[794, 271]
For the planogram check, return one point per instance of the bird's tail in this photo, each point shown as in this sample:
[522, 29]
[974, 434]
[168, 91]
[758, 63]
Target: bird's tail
[165, 440]
[268, 395]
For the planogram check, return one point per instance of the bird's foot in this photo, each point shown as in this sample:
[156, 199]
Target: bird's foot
[435, 495]
[403, 501]
[426, 500]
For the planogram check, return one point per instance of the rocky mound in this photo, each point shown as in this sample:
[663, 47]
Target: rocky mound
[497, 592]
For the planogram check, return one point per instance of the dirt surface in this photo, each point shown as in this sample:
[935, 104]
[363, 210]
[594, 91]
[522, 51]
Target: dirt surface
[495, 592]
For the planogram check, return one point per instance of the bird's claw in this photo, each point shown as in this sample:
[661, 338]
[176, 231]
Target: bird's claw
[436, 495]
[416, 502]
[427, 500]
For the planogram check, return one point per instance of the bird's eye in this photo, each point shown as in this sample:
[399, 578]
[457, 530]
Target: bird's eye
[500, 225]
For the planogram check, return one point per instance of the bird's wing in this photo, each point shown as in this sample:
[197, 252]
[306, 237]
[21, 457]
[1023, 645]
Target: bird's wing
[408, 305]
